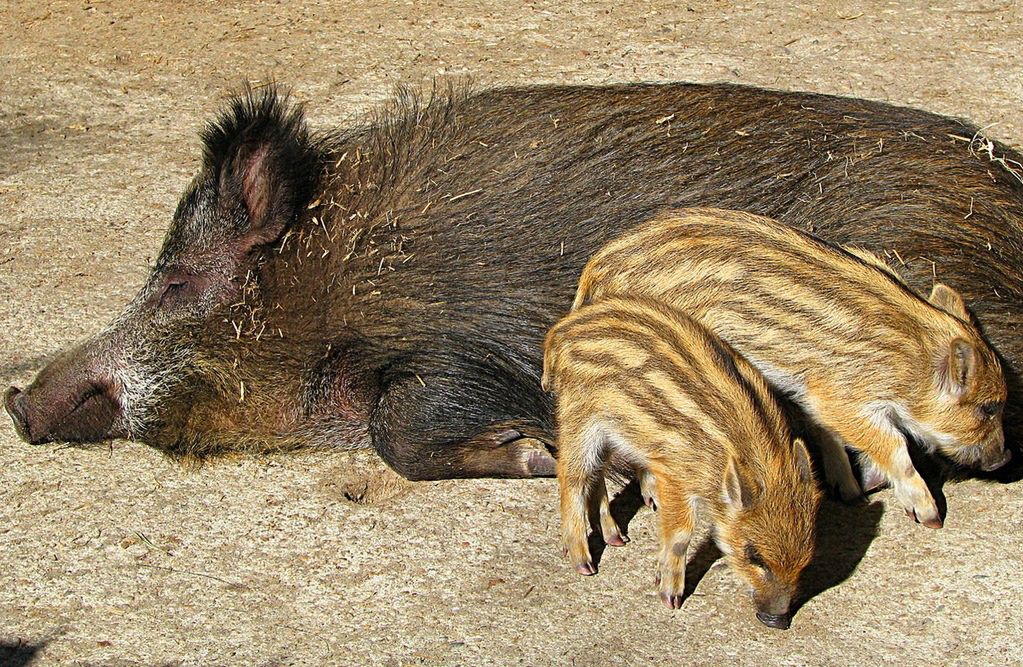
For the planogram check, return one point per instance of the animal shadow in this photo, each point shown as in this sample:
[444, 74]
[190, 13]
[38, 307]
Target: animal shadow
[18, 653]
[844, 532]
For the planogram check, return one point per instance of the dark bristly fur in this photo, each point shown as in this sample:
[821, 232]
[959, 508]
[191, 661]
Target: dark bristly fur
[402, 304]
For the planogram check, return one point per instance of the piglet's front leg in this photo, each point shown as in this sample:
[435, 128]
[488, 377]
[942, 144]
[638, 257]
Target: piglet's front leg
[838, 471]
[676, 521]
[887, 450]
[575, 487]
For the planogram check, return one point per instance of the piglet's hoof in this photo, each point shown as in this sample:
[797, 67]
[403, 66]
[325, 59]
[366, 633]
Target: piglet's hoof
[586, 569]
[932, 522]
[616, 540]
[672, 600]
[873, 480]
[849, 495]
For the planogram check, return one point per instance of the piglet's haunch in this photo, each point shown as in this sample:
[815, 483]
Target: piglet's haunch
[389, 285]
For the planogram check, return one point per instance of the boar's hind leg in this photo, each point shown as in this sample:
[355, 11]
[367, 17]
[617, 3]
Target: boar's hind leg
[441, 431]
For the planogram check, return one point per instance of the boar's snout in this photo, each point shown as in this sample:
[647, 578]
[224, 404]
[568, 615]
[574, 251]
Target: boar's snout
[14, 403]
[83, 415]
[778, 621]
[67, 403]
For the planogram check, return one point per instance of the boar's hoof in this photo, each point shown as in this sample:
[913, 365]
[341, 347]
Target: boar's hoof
[541, 464]
[777, 621]
[586, 569]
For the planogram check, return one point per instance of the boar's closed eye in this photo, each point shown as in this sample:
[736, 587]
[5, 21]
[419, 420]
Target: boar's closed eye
[172, 289]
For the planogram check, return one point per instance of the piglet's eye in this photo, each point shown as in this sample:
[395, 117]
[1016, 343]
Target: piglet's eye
[990, 409]
[754, 557]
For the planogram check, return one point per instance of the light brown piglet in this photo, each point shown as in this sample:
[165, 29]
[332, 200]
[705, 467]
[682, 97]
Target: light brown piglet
[640, 381]
[835, 330]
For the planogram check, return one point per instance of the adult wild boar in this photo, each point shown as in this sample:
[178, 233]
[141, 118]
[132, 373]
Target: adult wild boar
[390, 285]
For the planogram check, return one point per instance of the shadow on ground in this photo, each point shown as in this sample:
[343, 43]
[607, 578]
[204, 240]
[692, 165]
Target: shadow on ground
[15, 368]
[19, 653]
[844, 533]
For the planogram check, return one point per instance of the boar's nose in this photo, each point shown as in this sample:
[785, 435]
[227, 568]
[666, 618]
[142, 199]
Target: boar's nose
[85, 413]
[14, 404]
[779, 621]
[997, 461]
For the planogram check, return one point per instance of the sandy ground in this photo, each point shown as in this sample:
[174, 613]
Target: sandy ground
[115, 556]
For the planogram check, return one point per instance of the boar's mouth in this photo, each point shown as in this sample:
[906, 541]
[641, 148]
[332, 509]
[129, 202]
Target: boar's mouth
[87, 414]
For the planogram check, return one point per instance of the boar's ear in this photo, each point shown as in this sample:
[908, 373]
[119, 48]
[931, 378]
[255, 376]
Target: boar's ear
[737, 491]
[957, 366]
[802, 457]
[949, 300]
[260, 152]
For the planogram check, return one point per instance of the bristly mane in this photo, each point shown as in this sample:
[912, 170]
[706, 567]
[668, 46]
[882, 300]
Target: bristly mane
[403, 132]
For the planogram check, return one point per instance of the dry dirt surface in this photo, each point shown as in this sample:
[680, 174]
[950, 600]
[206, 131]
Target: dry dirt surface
[116, 556]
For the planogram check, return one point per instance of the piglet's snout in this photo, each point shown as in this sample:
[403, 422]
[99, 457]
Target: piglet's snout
[774, 611]
[995, 460]
[778, 621]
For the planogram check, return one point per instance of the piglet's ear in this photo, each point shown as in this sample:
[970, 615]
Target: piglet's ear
[265, 164]
[957, 366]
[736, 490]
[802, 457]
[949, 300]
